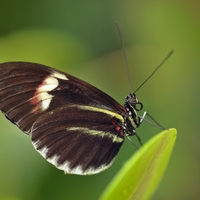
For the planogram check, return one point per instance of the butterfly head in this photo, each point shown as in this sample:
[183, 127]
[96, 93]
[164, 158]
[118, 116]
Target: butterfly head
[132, 102]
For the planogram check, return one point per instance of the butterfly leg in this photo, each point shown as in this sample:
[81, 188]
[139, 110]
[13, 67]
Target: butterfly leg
[132, 134]
[156, 124]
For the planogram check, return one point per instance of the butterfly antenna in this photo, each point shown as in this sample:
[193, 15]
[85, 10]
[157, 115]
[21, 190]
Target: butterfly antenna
[125, 57]
[166, 58]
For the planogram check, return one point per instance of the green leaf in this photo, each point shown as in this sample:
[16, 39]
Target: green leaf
[140, 176]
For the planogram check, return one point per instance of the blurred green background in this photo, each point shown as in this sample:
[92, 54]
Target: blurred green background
[81, 38]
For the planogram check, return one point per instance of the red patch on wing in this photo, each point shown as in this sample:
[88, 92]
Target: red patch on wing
[36, 98]
[119, 129]
[122, 108]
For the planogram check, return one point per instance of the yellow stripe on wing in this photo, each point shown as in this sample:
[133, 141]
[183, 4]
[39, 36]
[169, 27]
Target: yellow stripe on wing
[99, 133]
[108, 112]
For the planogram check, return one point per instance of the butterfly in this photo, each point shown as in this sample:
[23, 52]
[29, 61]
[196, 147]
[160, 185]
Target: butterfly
[72, 124]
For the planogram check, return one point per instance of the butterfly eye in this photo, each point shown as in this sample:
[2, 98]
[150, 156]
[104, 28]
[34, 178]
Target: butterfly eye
[138, 106]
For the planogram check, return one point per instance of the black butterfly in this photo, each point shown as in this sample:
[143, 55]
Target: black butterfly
[72, 124]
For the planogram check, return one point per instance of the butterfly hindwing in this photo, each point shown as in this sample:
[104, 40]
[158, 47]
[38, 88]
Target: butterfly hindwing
[76, 139]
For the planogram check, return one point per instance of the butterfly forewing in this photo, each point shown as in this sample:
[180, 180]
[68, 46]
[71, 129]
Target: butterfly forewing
[72, 124]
